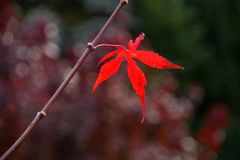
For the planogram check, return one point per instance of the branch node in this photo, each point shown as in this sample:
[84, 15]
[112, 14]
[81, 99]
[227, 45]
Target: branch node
[124, 1]
[91, 47]
[42, 114]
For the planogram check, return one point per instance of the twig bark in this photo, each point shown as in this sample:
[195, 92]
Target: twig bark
[43, 112]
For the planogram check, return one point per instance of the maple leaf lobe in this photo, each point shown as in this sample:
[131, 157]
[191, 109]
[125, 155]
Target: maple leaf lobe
[108, 70]
[153, 59]
[134, 45]
[138, 81]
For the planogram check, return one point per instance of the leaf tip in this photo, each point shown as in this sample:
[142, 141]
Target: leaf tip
[143, 118]
[100, 62]
[175, 66]
[94, 87]
[144, 111]
[142, 35]
[180, 67]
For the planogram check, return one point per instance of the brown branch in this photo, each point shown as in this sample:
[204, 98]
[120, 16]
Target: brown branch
[42, 113]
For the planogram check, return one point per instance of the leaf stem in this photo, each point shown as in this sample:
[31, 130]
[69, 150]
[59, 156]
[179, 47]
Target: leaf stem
[42, 113]
[109, 45]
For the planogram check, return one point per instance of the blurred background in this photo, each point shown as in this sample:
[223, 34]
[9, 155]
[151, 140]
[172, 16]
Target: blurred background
[192, 114]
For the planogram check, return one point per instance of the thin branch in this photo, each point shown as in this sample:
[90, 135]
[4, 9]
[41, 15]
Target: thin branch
[42, 113]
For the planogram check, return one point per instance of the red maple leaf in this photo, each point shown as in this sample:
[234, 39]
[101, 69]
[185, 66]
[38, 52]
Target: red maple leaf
[136, 76]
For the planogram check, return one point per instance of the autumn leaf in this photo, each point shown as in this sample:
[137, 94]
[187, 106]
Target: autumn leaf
[136, 76]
